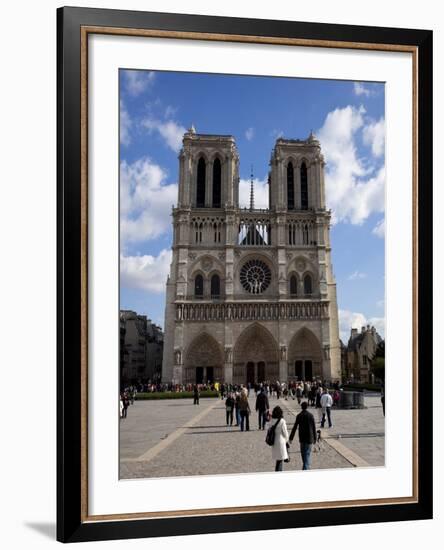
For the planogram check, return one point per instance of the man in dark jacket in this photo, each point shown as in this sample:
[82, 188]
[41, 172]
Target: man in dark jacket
[262, 406]
[307, 434]
[196, 394]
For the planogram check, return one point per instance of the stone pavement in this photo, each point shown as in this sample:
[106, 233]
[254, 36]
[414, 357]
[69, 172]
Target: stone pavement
[176, 438]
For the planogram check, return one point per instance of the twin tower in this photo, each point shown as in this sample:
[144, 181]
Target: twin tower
[251, 295]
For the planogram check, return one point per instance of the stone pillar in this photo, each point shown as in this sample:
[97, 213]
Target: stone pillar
[228, 373]
[208, 184]
[229, 183]
[297, 186]
[283, 370]
[321, 184]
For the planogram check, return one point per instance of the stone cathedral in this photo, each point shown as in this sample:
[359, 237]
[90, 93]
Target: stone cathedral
[251, 295]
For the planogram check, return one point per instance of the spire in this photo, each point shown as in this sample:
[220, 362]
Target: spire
[251, 190]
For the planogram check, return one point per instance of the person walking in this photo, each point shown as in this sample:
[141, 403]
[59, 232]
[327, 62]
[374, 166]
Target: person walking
[307, 434]
[244, 409]
[229, 407]
[299, 393]
[236, 408]
[279, 450]
[262, 406]
[126, 404]
[196, 394]
[326, 404]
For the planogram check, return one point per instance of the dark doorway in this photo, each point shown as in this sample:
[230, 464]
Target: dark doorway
[210, 374]
[308, 370]
[199, 375]
[261, 372]
[298, 369]
[250, 373]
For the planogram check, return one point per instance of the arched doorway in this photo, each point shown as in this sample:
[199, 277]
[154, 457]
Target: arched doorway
[203, 361]
[255, 357]
[304, 356]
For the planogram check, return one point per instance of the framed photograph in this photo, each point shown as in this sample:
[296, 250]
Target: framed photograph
[244, 274]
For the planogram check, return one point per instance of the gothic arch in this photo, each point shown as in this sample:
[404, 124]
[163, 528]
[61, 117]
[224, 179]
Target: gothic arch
[305, 192]
[293, 284]
[314, 282]
[203, 360]
[216, 178]
[198, 265]
[290, 176]
[203, 351]
[305, 351]
[255, 346]
[201, 176]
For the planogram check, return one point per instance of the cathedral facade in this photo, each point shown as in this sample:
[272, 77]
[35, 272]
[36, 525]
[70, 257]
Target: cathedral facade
[251, 295]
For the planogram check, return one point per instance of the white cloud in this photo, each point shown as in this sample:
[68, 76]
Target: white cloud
[138, 82]
[277, 133]
[260, 193]
[249, 134]
[350, 319]
[170, 111]
[379, 229]
[125, 125]
[360, 89]
[351, 193]
[357, 275]
[171, 131]
[147, 273]
[374, 136]
[145, 201]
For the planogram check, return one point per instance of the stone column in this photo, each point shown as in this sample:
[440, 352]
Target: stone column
[297, 186]
[283, 370]
[208, 184]
[229, 181]
[321, 184]
[228, 373]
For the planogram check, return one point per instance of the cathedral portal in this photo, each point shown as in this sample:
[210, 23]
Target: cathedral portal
[256, 356]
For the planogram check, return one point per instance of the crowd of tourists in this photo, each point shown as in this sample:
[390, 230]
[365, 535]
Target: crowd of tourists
[320, 395]
[238, 412]
[151, 387]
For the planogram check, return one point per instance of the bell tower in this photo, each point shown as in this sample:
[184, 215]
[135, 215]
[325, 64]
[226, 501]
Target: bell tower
[208, 171]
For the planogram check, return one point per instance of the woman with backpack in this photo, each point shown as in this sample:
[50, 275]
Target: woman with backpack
[277, 438]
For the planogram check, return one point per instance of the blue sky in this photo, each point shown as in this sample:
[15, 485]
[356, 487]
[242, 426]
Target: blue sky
[347, 117]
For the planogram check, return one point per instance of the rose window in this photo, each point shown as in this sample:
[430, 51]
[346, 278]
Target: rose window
[255, 276]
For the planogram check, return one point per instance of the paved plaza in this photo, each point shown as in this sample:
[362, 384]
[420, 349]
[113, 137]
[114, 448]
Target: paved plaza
[164, 438]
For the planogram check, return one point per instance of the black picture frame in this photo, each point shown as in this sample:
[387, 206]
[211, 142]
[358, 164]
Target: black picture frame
[71, 523]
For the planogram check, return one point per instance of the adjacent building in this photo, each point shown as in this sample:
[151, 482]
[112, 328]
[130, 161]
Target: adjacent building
[361, 349]
[251, 294]
[141, 348]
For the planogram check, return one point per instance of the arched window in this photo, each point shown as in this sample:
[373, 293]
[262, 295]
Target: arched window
[308, 285]
[198, 286]
[304, 187]
[215, 286]
[293, 285]
[290, 186]
[217, 171]
[200, 187]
